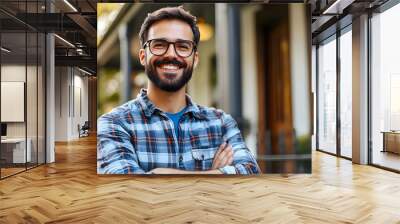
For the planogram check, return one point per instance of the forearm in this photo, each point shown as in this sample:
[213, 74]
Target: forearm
[242, 168]
[216, 171]
[177, 171]
[247, 168]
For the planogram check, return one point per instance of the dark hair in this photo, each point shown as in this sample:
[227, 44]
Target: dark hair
[166, 14]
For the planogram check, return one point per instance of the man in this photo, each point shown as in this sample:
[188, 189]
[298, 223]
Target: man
[163, 131]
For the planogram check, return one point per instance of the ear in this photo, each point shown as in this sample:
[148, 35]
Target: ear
[142, 56]
[196, 59]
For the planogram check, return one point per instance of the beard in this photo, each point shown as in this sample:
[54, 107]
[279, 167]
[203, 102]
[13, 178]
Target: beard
[169, 85]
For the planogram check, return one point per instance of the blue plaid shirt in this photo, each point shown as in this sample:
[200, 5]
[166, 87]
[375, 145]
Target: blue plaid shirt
[137, 137]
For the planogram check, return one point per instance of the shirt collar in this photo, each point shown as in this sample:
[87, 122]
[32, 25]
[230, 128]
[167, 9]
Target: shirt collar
[149, 108]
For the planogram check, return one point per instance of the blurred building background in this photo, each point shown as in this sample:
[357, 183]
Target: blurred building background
[254, 64]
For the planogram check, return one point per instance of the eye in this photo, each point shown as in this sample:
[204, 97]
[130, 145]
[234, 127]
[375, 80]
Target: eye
[183, 46]
[158, 44]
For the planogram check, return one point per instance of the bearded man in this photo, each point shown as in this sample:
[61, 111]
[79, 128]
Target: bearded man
[163, 131]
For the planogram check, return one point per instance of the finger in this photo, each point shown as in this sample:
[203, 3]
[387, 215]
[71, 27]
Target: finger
[227, 156]
[217, 155]
[218, 161]
[226, 151]
[220, 149]
[220, 154]
[230, 161]
[223, 162]
[216, 164]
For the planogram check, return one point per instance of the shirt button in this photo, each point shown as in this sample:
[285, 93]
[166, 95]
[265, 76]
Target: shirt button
[180, 158]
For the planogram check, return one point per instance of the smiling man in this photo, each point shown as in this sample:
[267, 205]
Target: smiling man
[163, 131]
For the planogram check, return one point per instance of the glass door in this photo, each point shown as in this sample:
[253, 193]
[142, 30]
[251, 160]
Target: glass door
[385, 89]
[345, 42]
[326, 95]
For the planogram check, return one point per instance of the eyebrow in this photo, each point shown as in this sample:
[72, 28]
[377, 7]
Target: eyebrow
[170, 39]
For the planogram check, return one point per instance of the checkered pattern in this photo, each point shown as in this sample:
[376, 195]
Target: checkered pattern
[137, 137]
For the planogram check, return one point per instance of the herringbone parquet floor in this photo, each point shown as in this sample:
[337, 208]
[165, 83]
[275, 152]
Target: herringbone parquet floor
[69, 191]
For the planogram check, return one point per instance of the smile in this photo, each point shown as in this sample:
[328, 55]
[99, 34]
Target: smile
[169, 67]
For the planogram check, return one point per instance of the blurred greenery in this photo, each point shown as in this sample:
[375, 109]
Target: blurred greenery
[303, 144]
[108, 90]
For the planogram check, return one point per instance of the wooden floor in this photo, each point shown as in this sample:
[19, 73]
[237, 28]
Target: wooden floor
[387, 159]
[10, 171]
[69, 191]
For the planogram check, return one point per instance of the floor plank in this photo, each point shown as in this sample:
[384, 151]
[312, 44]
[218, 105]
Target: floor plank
[69, 191]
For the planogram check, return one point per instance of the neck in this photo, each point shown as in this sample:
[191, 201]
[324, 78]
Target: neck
[171, 102]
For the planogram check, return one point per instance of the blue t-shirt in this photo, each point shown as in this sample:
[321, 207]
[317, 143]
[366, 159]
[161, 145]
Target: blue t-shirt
[175, 119]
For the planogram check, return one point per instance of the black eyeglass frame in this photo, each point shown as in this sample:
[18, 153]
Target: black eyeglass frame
[148, 42]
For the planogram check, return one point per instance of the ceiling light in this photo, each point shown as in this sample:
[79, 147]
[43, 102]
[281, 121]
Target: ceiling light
[65, 41]
[5, 50]
[84, 71]
[70, 5]
[337, 7]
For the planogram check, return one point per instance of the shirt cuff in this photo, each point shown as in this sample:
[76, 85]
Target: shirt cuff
[228, 170]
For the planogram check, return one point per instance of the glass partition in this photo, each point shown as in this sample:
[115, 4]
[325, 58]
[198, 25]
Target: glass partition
[22, 88]
[327, 95]
[14, 152]
[385, 89]
[31, 97]
[41, 110]
[346, 93]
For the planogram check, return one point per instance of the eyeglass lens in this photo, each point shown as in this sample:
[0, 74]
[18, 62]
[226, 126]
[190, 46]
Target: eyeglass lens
[160, 47]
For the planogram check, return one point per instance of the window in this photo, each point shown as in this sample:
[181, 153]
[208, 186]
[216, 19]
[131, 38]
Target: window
[385, 88]
[346, 93]
[327, 96]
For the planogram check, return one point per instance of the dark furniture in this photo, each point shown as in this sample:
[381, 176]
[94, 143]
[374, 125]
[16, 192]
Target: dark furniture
[84, 130]
[391, 141]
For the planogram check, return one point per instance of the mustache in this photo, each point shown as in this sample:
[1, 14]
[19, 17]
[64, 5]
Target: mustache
[170, 61]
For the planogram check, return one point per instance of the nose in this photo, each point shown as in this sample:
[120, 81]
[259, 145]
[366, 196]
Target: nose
[171, 51]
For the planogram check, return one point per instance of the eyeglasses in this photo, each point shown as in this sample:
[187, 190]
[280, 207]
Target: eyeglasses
[183, 48]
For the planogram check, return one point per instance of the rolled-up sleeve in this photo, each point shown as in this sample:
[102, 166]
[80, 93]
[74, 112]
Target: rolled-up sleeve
[243, 160]
[115, 152]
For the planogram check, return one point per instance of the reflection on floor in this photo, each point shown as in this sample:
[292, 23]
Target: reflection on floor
[386, 159]
[70, 191]
[10, 169]
[290, 163]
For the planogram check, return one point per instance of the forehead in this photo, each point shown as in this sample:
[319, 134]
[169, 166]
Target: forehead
[170, 29]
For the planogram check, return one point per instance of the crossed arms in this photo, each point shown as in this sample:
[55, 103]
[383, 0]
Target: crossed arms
[223, 157]
[116, 154]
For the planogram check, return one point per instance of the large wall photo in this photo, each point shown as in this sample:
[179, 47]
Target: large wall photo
[247, 74]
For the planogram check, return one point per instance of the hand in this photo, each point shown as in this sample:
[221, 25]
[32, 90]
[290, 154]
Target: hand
[164, 171]
[176, 171]
[223, 157]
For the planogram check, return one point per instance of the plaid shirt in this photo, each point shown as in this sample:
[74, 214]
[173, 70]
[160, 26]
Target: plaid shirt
[137, 137]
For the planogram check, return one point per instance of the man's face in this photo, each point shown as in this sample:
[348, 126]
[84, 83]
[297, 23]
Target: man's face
[169, 72]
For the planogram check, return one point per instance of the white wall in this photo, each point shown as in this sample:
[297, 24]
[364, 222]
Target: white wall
[70, 83]
[79, 117]
[61, 103]
[299, 68]
[33, 126]
[12, 73]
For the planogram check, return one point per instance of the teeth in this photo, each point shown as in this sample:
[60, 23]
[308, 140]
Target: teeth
[169, 66]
